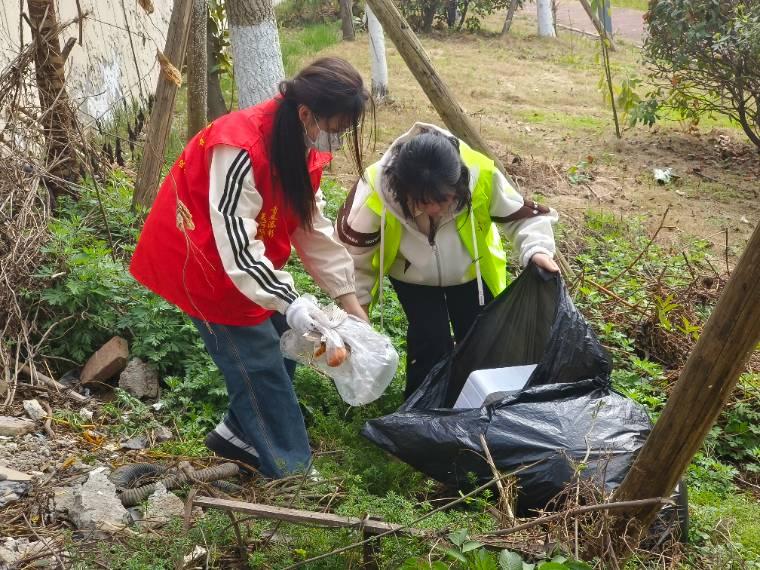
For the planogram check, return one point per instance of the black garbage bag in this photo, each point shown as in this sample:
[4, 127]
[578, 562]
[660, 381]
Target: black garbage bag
[567, 413]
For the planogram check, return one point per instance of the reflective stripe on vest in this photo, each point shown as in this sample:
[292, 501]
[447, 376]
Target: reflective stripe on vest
[489, 246]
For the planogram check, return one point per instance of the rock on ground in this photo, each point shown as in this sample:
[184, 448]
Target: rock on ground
[11, 426]
[34, 410]
[139, 379]
[107, 362]
[96, 506]
[162, 506]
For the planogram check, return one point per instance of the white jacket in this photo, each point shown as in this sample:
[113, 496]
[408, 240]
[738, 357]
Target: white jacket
[446, 261]
[245, 258]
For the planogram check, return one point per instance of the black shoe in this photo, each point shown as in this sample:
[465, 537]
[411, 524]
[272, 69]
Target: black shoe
[229, 448]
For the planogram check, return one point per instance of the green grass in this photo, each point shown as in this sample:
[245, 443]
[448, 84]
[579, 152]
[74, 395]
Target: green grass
[299, 44]
[735, 514]
[563, 120]
[642, 5]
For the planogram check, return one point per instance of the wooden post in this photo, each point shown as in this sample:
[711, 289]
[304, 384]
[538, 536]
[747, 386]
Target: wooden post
[444, 101]
[598, 25]
[57, 116]
[148, 176]
[197, 77]
[706, 382]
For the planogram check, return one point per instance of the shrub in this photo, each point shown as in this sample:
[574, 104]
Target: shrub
[704, 55]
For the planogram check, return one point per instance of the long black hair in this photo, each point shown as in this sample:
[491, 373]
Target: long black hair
[427, 168]
[329, 87]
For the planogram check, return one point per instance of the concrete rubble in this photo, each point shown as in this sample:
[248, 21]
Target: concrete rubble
[139, 379]
[162, 506]
[34, 410]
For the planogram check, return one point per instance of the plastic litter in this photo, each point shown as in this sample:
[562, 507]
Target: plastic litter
[663, 175]
[492, 384]
[566, 414]
[371, 360]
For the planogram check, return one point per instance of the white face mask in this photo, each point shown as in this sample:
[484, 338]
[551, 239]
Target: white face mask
[325, 142]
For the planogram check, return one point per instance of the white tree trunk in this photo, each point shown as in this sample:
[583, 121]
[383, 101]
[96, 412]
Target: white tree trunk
[545, 19]
[256, 55]
[377, 56]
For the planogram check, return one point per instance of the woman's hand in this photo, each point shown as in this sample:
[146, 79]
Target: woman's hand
[350, 303]
[545, 262]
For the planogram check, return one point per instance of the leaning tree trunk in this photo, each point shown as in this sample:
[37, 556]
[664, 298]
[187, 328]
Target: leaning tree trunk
[545, 19]
[216, 106]
[377, 56]
[57, 115]
[256, 54]
[347, 20]
[197, 77]
[510, 16]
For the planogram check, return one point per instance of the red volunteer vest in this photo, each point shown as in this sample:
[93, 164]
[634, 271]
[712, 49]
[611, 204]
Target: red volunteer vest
[176, 255]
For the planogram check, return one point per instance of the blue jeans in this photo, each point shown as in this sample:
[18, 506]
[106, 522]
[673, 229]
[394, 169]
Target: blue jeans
[263, 409]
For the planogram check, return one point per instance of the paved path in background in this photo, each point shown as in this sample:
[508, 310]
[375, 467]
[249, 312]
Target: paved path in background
[627, 23]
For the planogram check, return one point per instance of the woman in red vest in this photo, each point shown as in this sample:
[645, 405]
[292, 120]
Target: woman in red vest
[243, 191]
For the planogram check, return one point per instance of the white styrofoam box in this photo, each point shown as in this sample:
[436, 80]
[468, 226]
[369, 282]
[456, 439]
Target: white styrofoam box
[481, 383]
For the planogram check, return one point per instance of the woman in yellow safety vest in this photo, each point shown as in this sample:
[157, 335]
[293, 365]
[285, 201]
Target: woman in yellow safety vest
[426, 215]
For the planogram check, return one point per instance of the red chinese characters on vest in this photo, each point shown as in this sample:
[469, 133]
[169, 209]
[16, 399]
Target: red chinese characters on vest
[176, 255]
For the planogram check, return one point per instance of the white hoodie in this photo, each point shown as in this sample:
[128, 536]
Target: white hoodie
[445, 261]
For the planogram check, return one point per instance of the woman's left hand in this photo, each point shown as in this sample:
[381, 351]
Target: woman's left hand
[545, 262]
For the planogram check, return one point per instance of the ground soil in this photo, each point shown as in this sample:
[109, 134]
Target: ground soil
[538, 104]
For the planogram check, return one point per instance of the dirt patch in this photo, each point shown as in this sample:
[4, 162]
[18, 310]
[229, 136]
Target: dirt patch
[538, 100]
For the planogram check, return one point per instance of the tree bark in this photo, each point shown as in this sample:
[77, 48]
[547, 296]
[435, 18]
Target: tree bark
[429, 8]
[256, 54]
[216, 106]
[545, 19]
[347, 20]
[57, 116]
[706, 382]
[159, 125]
[377, 56]
[197, 75]
[510, 16]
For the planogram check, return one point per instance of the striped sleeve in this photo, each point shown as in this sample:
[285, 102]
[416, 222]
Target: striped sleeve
[234, 204]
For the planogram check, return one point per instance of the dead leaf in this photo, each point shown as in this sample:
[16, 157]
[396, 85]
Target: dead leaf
[146, 5]
[170, 72]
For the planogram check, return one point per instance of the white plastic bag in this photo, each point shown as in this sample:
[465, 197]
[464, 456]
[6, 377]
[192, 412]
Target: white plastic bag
[371, 362]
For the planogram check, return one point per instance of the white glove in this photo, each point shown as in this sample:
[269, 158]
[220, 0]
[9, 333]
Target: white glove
[303, 314]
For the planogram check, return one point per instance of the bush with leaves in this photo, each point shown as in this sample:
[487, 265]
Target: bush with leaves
[422, 14]
[704, 56]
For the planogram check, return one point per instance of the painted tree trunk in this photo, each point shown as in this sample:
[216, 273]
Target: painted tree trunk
[256, 55]
[347, 20]
[545, 19]
[197, 75]
[377, 56]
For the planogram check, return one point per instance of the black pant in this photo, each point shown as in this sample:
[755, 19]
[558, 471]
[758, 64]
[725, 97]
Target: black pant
[432, 312]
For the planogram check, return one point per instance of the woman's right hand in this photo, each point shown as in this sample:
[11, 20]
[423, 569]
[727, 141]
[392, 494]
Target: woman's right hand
[350, 303]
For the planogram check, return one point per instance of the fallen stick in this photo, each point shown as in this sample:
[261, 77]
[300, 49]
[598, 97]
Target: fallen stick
[271, 512]
[581, 510]
[38, 376]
